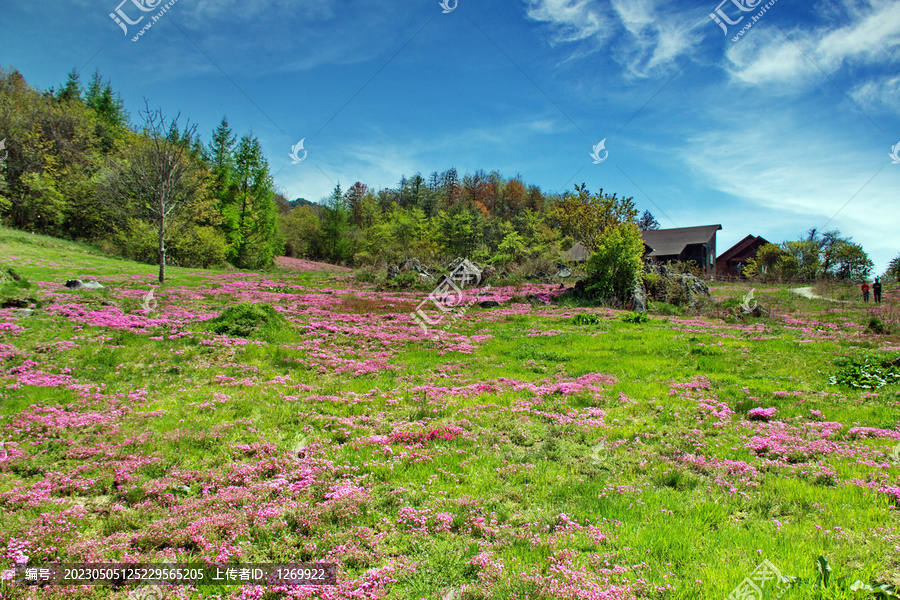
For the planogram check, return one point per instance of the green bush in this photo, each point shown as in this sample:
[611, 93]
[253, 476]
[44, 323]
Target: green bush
[138, 241]
[202, 247]
[588, 319]
[676, 293]
[616, 263]
[246, 320]
[635, 317]
[865, 373]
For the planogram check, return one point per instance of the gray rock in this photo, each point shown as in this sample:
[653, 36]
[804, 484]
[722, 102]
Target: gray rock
[411, 264]
[639, 297]
[464, 272]
[488, 273]
[77, 284]
[489, 304]
[392, 272]
[564, 272]
[24, 312]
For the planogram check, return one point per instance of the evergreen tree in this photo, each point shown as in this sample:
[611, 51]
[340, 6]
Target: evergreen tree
[72, 89]
[258, 239]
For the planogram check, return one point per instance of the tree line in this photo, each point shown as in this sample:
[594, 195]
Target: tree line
[75, 167]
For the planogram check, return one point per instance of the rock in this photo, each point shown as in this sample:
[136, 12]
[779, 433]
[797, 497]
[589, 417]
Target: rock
[464, 272]
[77, 284]
[24, 312]
[564, 272]
[392, 272]
[489, 304]
[426, 277]
[488, 273]
[14, 303]
[411, 264]
[639, 297]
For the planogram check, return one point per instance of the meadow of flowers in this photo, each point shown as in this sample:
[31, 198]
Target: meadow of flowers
[520, 456]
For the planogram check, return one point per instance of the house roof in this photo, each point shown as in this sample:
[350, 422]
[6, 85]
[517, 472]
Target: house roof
[671, 242]
[742, 246]
[576, 253]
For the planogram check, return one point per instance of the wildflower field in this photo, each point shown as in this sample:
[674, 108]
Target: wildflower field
[522, 456]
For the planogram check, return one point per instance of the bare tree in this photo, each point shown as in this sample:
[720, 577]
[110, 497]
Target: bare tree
[157, 177]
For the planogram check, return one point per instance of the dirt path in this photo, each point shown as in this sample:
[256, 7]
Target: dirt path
[807, 292]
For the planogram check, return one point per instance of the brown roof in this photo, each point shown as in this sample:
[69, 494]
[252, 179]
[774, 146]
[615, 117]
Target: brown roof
[742, 246]
[671, 242]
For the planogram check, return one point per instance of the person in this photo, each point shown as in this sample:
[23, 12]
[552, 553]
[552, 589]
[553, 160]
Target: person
[876, 289]
[865, 290]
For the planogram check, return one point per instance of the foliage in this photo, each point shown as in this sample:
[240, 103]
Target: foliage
[587, 216]
[865, 373]
[616, 263]
[587, 319]
[636, 318]
[893, 269]
[246, 319]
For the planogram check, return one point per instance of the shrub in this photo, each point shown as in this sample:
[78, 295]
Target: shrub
[202, 247]
[664, 308]
[246, 320]
[587, 319]
[863, 373]
[677, 293]
[878, 327]
[635, 317]
[138, 241]
[616, 263]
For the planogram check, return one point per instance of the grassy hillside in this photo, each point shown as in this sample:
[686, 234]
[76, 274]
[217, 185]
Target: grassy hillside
[521, 456]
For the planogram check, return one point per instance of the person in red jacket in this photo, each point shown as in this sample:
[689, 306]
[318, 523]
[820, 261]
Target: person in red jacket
[865, 290]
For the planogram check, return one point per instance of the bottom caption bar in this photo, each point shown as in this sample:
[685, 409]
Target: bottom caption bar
[188, 574]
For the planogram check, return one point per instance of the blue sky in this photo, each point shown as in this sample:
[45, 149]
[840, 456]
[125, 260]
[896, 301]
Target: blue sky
[787, 128]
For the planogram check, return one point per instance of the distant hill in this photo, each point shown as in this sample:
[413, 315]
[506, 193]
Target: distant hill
[300, 202]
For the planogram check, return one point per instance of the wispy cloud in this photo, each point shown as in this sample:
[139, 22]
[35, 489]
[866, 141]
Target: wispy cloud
[657, 37]
[650, 35]
[869, 35]
[571, 20]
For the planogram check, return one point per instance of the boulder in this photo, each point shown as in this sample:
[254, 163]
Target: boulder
[464, 272]
[639, 297]
[411, 264]
[489, 304]
[488, 273]
[564, 272]
[77, 284]
[392, 272]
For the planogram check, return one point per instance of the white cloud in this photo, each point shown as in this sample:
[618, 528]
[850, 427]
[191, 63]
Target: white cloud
[881, 95]
[650, 34]
[868, 36]
[570, 20]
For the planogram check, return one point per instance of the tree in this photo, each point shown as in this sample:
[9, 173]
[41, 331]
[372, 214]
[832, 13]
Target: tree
[257, 234]
[647, 221]
[616, 262]
[586, 216]
[893, 270]
[72, 88]
[765, 262]
[158, 177]
[335, 221]
[850, 261]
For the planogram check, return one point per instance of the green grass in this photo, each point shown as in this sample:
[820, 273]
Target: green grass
[523, 457]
